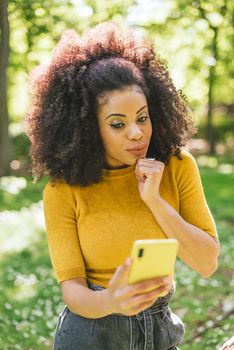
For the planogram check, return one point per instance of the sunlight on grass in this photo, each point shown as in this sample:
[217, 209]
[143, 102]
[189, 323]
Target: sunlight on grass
[12, 184]
[30, 297]
[25, 287]
[211, 162]
[19, 228]
[226, 169]
[23, 292]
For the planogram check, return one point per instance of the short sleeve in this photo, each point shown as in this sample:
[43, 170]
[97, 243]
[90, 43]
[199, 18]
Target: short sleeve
[61, 226]
[192, 202]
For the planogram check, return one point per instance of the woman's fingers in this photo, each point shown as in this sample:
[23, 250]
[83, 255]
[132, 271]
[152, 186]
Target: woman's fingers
[151, 284]
[121, 273]
[146, 297]
[130, 298]
[128, 291]
[146, 168]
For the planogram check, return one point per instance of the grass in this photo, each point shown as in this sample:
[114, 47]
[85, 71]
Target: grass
[30, 298]
[203, 303]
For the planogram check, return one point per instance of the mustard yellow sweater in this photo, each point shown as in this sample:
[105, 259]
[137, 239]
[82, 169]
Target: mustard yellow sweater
[91, 230]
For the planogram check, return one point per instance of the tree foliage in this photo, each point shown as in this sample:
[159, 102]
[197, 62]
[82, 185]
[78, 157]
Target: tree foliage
[195, 37]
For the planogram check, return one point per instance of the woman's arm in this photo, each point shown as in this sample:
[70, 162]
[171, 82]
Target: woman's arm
[83, 301]
[119, 297]
[197, 248]
[193, 224]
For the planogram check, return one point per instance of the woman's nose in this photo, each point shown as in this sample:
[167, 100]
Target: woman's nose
[135, 133]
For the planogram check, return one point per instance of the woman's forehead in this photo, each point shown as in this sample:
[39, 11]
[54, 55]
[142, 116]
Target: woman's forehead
[122, 98]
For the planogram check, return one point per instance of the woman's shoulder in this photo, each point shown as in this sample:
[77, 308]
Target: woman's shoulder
[183, 167]
[55, 185]
[59, 188]
[185, 160]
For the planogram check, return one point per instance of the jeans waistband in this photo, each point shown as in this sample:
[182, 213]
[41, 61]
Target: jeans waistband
[160, 305]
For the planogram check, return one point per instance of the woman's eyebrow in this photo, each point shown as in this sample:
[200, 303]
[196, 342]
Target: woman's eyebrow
[123, 115]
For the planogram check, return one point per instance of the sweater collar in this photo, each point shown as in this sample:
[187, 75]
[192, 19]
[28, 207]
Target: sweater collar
[118, 172]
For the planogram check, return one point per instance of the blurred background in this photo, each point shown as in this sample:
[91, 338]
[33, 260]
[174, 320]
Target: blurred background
[196, 39]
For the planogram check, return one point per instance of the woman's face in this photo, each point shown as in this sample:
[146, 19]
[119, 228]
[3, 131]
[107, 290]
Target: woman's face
[124, 124]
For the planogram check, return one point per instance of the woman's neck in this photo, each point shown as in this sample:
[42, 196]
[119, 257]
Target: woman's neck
[109, 167]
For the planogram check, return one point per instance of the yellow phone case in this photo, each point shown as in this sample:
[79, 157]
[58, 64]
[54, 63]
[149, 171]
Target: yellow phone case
[152, 258]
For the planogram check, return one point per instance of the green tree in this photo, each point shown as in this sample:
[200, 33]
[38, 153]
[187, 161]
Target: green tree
[35, 28]
[198, 35]
[215, 16]
[5, 152]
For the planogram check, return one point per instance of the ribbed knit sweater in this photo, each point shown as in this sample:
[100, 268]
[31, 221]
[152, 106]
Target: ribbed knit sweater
[91, 229]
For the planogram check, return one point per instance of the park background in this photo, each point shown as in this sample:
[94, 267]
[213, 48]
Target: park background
[196, 40]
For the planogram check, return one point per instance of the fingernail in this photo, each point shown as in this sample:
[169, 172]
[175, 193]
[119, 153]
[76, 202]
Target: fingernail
[128, 261]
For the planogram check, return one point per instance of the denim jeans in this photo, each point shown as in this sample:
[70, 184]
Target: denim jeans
[155, 328]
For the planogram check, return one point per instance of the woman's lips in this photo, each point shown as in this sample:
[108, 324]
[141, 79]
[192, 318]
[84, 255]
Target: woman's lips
[138, 151]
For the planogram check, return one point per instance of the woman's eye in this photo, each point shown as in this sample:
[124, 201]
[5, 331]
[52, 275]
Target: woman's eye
[144, 119]
[120, 125]
[116, 126]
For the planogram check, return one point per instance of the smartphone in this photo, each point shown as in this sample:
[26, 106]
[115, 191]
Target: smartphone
[153, 258]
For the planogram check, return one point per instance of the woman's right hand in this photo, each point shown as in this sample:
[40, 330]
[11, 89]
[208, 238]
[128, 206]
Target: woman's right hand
[130, 299]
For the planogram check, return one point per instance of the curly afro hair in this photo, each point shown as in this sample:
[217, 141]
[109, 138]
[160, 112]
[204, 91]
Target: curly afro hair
[62, 118]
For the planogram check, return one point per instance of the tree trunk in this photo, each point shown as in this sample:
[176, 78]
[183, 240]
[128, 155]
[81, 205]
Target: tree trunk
[5, 149]
[210, 128]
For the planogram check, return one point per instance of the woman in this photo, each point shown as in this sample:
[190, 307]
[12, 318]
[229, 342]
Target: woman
[108, 126]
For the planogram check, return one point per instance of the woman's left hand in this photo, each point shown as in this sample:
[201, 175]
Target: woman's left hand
[149, 174]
